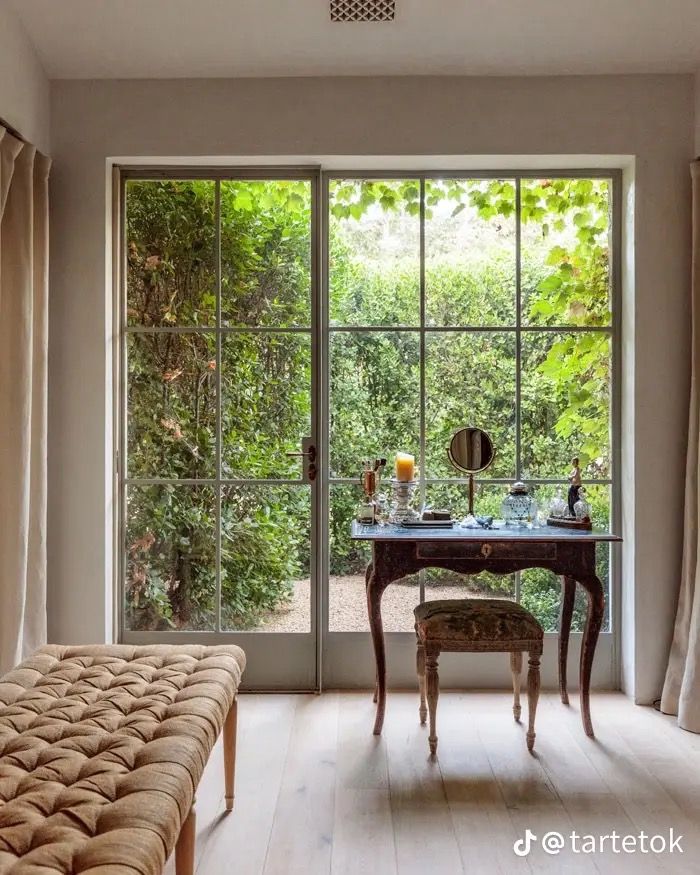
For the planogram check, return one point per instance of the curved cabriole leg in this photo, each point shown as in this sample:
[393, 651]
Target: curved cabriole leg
[184, 849]
[368, 574]
[568, 593]
[516, 667]
[533, 694]
[594, 621]
[420, 668]
[432, 682]
[230, 726]
[375, 590]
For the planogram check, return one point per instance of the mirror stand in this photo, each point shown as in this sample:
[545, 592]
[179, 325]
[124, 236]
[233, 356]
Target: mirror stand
[470, 479]
[471, 451]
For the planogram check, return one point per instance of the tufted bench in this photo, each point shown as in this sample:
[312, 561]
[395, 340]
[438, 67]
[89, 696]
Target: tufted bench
[101, 751]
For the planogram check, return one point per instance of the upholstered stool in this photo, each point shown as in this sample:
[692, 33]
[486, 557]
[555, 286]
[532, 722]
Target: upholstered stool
[477, 626]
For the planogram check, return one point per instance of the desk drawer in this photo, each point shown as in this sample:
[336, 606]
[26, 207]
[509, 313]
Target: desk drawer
[487, 549]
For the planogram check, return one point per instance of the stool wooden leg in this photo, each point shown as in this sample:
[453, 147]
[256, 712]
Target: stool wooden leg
[230, 726]
[184, 849]
[516, 666]
[433, 691]
[420, 668]
[533, 694]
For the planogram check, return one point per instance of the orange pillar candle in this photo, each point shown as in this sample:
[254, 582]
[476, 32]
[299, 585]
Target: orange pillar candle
[405, 467]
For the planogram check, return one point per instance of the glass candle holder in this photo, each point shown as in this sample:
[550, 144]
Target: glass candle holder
[402, 497]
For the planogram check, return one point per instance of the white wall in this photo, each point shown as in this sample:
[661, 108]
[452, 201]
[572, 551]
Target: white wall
[648, 117]
[24, 88]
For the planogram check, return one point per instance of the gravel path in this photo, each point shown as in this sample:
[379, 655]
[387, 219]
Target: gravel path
[348, 608]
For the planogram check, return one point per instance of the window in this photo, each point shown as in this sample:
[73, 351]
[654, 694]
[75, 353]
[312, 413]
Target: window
[447, 300]
[468, 301]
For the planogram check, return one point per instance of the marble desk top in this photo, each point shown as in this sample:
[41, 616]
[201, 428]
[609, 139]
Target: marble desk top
[391, 532]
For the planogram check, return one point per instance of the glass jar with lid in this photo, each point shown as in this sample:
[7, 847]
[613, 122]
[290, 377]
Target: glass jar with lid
[519, 508]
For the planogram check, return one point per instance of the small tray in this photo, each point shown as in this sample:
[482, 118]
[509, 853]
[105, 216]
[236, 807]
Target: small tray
[428, 524]
[563, 523]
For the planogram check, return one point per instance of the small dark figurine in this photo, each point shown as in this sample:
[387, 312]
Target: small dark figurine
[575, 481]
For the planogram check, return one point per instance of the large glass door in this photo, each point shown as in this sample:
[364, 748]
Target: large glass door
[255, 376]
[219, 427]
[453, 300]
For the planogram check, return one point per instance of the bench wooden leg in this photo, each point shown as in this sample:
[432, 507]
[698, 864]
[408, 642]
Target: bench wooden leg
[184, 849]
[516, 666]
[230, 752]
[533, 694]
[420, 669]
[433, 691]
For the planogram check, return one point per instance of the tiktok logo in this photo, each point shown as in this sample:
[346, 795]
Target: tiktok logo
[522, 846]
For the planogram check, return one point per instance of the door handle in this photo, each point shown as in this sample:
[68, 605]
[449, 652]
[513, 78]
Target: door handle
[310, 455]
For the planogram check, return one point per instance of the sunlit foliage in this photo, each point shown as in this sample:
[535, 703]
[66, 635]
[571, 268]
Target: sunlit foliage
[255, 386]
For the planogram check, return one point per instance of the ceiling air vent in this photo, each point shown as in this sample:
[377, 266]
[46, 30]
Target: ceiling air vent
[363, 10]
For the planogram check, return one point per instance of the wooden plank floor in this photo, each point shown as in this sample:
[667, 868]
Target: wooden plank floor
[317, 793]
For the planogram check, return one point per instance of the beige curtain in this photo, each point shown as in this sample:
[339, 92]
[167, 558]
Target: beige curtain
[681, 693]
[24, 176]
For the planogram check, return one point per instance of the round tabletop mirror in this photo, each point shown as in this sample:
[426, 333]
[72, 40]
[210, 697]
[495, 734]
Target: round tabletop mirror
[471, 450]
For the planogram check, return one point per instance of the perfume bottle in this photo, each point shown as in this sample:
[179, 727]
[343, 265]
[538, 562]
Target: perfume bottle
[582, 508]
[367, 512]
[558, 508]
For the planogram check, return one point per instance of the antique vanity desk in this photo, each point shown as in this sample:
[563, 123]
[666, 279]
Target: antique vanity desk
[398, 551]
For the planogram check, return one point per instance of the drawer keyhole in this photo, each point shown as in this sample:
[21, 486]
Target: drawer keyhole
[486, 550]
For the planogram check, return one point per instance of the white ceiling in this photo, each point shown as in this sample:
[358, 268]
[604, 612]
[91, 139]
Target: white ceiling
[200, 38]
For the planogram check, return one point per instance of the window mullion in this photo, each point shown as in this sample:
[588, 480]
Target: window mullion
[518, 350]
[518, 332]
